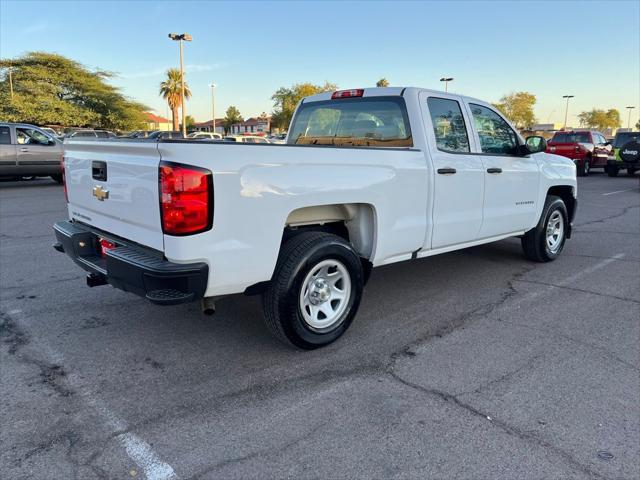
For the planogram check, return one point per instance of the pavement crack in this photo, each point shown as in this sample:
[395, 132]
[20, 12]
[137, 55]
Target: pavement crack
[604, 220]
[525, 436]
[259, 453]
[581, 290]
[550, 331]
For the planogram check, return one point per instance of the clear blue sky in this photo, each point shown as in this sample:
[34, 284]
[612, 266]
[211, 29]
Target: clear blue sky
[590, 49]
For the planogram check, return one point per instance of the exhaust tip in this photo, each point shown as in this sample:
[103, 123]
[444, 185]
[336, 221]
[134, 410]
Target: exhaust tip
[208, 306]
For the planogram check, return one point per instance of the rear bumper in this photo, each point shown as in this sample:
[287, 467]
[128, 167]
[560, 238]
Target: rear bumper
[130, 267]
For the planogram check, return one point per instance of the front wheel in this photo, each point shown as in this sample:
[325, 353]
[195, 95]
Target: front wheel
[315, 291]
[612, 170]
[545, 242]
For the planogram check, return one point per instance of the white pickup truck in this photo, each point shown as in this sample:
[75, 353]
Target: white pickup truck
[367, 177]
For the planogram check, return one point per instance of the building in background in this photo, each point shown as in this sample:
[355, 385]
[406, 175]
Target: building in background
[253, 126]
[156, 122]
[207, 126]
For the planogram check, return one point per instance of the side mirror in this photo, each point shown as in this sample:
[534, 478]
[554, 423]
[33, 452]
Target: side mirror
[536, 144]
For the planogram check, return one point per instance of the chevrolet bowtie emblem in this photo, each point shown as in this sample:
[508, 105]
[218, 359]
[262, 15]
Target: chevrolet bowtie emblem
[100, 193]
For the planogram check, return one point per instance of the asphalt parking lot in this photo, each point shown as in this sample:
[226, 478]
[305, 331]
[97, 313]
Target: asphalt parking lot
[471, 365]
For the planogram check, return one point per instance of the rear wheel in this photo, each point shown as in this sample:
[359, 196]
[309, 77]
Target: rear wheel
[584, 168]
[57, 177]
[545, 242]
[612, 170]
[315, 291]
[631, 171]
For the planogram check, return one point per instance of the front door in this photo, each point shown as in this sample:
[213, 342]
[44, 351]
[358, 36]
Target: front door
[510, 181]
[459, 175]
[35, 148]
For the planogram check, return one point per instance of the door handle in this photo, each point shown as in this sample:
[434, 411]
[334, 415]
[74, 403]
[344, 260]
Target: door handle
[446, 171]
[494, 170]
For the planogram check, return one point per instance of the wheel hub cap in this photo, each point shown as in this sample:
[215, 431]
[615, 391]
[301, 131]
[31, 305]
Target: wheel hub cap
[555, 231]
[325, 294]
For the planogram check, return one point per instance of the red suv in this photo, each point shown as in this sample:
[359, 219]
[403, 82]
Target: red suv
[587, 148]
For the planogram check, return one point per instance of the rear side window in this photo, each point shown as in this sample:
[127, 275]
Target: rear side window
[355, 122]
[5, 137]
[448, 125]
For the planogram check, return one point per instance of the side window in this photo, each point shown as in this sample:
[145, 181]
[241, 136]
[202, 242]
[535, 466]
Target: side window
[448, 125]
[5, 136]
[496, 136]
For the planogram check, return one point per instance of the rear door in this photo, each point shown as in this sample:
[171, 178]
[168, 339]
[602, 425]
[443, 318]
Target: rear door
[459, 175]
[113, 186]
[7, 151]
[510, 181]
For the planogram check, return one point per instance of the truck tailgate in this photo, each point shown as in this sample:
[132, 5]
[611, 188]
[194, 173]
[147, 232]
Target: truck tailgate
[113, 186]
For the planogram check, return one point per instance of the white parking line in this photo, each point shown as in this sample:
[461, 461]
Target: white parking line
[617, 191]
[137, 449]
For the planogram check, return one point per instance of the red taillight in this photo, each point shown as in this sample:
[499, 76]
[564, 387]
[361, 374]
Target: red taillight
[186, 199]
[358, 92]
[64, 180]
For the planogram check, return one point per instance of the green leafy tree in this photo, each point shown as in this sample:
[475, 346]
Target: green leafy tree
[190, 121]
[52, 89]
[285, 100]
[232, 116]
[600, 119]
[383, 82]
[171, 91]
[518, 107]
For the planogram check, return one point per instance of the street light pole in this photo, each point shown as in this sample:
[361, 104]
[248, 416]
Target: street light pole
[182, 38]
[446, 81]
[629, 118]
[213, 107]
[566, 110]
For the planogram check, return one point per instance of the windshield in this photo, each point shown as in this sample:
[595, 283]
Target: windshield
[580, 137]
[359, 122]
[626, 137]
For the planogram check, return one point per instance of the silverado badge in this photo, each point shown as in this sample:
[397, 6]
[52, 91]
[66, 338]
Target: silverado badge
[100, 193]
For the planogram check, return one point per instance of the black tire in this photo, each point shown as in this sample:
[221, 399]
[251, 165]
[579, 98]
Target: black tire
[281, 301]
[584, 168]
[57, 177]
[612, 170]
[631, 171]
[534, 242]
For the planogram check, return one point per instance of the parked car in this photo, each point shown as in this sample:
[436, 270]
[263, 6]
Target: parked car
[140, 134]
[26, 151]
[158, 135]
[278, 138]
[389, 174]
[91, 134]
[50, 131]
[246, 139]
[587, 148]
[627, 142]
[205, 136]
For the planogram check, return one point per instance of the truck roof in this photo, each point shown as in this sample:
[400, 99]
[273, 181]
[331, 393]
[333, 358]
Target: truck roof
[388, 92]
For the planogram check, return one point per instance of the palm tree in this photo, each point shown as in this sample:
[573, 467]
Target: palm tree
[171, 92]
